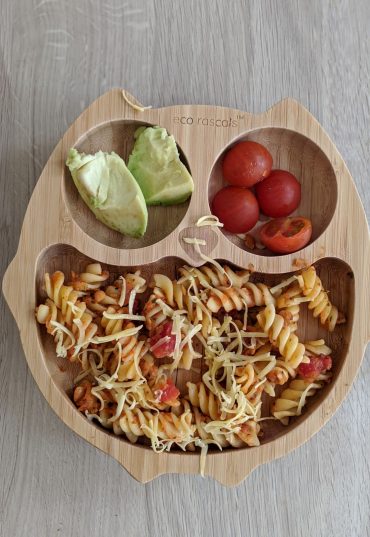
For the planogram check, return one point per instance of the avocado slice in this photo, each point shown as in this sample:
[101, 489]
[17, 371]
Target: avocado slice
[109, 190]
[156, 166]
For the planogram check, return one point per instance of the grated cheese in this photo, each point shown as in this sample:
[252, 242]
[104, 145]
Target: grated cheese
[302, 400]
[188, 338]
[76, 309]
[162, 341]
[138, 107]
[252, 334]
[128, 316]
[131, 301]
[176, 330]
[282, 284]
[209, 220]
[118, 335]
[122, 297]
[231, 425]
[61, 349]
[190, 240]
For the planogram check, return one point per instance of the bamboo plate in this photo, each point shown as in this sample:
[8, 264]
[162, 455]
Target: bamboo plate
[59, 232]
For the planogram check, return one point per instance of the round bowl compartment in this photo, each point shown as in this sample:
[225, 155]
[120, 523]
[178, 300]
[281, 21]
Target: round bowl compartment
[118, 136]
[297, 154]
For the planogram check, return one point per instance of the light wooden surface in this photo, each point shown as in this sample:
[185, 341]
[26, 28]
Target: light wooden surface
[56, 58]
[297, 142]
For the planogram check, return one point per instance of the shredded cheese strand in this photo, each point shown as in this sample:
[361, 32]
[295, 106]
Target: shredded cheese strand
[196, 242]
[122, 297]
[282, 284]
[209, 220]
[138, 107]
[128, 316]
[118, 335]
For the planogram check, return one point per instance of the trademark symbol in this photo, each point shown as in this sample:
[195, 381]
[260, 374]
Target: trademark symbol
[240, 116]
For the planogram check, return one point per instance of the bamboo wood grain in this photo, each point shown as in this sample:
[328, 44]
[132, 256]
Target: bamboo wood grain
[296, 140]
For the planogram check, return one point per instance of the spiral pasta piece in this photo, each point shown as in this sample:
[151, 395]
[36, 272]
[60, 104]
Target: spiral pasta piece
[292, 400]
[177, 296]
[84, 399]
[153, 313]
[172, 300]
[163, 295]
[187, 357]
[200, 397]
[318, 346]
[318, 300]
[246, 436]
[220, 439]
[291, 315]
[112, 326]
[48, 313]
[84, 330]
[206, 276]
[160, 428]
[279, 374]
[118, 294]
[129, 351]
[65, 298]
[92, 278]
[281, 335]
[245, 377]
[249, 433]
[65, 316]
[292, 296]
[235, 298]
[100, 302]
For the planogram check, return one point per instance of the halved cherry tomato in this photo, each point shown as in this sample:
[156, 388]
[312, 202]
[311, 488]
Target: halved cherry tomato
[316, 365]
[236, 208]
[166, 348]
[246, 164]
[166, 392]
[286, 235]
[279, 194]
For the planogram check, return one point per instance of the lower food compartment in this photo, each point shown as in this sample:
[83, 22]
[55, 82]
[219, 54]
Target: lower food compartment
[206, 309]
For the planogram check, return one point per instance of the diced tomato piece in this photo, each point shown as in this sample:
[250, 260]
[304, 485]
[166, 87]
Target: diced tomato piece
[167, 346]
[316, 365]
[167, 392]
[286, 235]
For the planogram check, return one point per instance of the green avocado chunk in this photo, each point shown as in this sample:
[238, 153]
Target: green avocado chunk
[156, 166]
[109, 190]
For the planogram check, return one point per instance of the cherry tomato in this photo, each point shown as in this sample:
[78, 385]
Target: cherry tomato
[166, 348]
[166, 392]
[236, 208]
[286, 235]
[316, 365]
[246, 164]
[279, 194]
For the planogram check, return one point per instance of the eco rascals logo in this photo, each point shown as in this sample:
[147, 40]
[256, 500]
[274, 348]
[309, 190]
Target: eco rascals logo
[206, 121]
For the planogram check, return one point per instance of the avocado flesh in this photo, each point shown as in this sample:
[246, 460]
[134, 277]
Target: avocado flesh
[156, 166]
[110, 191]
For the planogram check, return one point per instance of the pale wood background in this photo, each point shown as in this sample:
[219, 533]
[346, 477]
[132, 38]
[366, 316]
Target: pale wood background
[56, 57]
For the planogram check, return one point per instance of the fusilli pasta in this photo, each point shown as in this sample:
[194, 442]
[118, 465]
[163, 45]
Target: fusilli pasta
[130, 343]
[281, 335]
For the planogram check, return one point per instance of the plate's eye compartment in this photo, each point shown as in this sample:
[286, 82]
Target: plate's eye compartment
[301, 157]
[119, 137]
